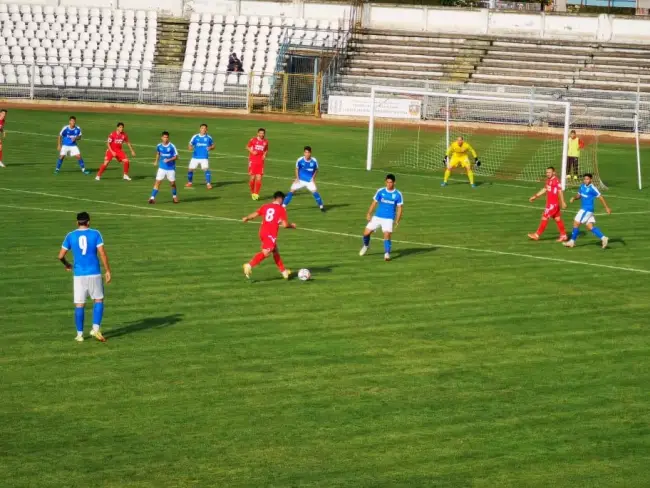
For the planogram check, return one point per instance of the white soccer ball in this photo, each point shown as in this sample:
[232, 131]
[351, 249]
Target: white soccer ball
[304, 274]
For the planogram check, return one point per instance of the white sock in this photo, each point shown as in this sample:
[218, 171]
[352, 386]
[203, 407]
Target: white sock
[95, 327]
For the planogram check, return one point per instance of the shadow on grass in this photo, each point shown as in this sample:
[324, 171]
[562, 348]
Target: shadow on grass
[596, 242]
[329, 208]
[145, 324]
[411, 251]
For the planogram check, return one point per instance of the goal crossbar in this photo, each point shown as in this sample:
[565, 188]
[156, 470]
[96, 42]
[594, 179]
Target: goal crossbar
[375, 90]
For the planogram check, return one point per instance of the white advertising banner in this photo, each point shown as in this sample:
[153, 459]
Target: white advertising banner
[392, 108]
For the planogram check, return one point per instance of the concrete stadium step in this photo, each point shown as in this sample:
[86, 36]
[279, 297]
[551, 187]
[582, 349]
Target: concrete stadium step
[536, 65]
[519, 72]
[517, 56]
[172, 40]
[418, 38]
[628, 70]
[404, 66]
[395, 73]
[619, 61]
[399, 58]
[407, 49]
[520, 80]
[610, 85]
[542, 46]
[616, 76]
[383, 80]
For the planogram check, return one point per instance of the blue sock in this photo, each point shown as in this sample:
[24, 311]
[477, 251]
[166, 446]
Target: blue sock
[59, 162]
[574, 233]
[387, 245]
[597, 232]
[287, 199]
[79, 318]
[173, 191]
[366, 240]
[98, 313]
[82, 165]
[318, 199]
[154, 192]
[190, 176]
[208, 177]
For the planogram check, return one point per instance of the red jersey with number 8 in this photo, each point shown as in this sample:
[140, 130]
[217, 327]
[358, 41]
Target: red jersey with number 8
[272, 214]
[553, 189]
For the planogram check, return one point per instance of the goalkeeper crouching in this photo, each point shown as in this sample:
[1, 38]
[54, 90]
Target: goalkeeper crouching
[458, 155]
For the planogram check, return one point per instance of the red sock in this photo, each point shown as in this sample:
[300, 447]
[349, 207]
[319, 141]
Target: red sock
[102, 168]
[560, 227]
[258, 187]
[542, 227]
[257, 259]
[251, 185]
[278, 261]
[0, 154]
[126, 167]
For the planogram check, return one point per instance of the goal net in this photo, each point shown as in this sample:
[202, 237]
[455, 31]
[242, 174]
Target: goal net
[515, 138]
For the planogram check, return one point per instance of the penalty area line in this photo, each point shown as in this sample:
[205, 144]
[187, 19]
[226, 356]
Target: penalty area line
[178, 214]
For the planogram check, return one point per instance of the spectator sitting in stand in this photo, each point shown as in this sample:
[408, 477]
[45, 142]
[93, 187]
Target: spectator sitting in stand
[234, 63]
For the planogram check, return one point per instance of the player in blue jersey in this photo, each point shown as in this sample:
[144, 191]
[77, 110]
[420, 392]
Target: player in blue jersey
[166, 155]
[388, 202]
[87, 247]
[200, 145]
[67, 145]
[306, 171]
[587, 194]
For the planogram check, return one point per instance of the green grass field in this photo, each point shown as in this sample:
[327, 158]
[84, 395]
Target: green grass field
[475, 358]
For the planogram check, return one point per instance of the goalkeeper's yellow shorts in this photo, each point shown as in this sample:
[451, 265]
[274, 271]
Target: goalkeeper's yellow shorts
[457, 161]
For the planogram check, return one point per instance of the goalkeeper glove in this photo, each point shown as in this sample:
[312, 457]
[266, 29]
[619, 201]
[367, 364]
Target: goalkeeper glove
[445, 160]
[477, 162]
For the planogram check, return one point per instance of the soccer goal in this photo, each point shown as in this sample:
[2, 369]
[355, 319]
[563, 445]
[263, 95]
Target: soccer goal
[515, 138]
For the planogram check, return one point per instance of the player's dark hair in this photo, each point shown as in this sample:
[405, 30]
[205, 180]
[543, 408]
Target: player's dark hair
[308, 148]
[278, 194]
[572, 132]
[3, 110]
[165, 133]
[120, 124]
[72, 117]
[204, 125]
[391, 177]
[262, 129]
[83, 218]
[551, 168]
[589, 175]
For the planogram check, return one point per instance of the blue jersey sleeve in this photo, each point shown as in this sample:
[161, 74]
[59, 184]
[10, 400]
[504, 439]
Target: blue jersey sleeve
[299, 163]
[210, 141]
[66, 243]
[100, 239]
[315, 163]
[173, 150]
[63, 131]
[400, 198]
[193, 140]
[377, 196]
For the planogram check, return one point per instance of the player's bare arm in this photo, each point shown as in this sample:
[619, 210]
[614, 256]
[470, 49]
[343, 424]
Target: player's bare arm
[287, 225]
[537, 195]
[562, 202]
[190, 147]
[131, 148]
[573, 199]
[251, 150]
[211, 148]
[155, 162]
[108, 145]
[398, 217]
[373, 205]
[252, 216]
[62, 254]
[107, 269]
[602, 200]
[313, 178]
[58, 143]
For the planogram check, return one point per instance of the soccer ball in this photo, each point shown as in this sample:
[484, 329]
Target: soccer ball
[304, 274]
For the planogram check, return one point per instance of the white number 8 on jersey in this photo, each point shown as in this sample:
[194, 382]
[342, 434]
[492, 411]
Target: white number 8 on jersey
[270, 213]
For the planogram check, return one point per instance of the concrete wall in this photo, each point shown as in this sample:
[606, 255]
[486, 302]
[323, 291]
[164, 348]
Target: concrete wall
[602, 28]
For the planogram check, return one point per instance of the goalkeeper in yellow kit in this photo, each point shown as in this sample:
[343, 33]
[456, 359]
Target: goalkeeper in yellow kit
[458, 155]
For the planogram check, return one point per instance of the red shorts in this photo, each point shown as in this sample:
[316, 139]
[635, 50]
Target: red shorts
[269, 243]
[552, 212]
[119, 155]
[255, 168]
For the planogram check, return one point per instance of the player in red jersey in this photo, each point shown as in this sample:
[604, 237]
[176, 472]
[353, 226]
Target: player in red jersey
[273, 216]
[3, 117]
[554, 200]
[114, 144]
[258, 147]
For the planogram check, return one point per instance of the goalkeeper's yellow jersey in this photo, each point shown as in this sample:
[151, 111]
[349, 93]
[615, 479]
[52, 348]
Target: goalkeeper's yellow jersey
[456, 150]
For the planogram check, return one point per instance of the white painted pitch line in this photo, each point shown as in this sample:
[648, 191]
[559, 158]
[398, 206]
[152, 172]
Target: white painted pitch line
[341, 234]
[243, 156]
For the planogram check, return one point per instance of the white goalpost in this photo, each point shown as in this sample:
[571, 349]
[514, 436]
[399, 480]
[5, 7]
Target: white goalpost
[515, 138]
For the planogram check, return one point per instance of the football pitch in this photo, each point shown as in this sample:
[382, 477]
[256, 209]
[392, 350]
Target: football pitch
[475, 358]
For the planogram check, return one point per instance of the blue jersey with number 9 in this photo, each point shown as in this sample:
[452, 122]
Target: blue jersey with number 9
[83, 244]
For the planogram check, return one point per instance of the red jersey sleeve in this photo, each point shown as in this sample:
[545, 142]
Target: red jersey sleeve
[283, 215]
[110, 137]
[126, 138]
[250, 143]
[260, 211]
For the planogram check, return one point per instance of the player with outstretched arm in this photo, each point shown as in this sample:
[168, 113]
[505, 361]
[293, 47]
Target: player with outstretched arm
[166, 155]
[67, 145]
[554, 203]
[87, 247]
[114, 143]
[306, 171]
[273, 216]
[587, 195]
[457, 155]
[389, 203]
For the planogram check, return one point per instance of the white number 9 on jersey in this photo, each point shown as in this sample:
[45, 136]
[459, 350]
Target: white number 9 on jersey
[270, 213]
[83, 245]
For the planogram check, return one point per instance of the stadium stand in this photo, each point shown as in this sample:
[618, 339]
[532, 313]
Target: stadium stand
[76, 47]
[599, 77]
[260, 42]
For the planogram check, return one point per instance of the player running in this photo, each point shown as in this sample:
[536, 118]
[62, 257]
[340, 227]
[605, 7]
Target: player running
[116, 140]
[258, 147]
[388, 202]
[456, 155]
[587, 194]
[306, 171]
[166, 155]
[273, 216]
[200, 145]
[86, 245]
[554, 200]
[67, 145]
[3, 117]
